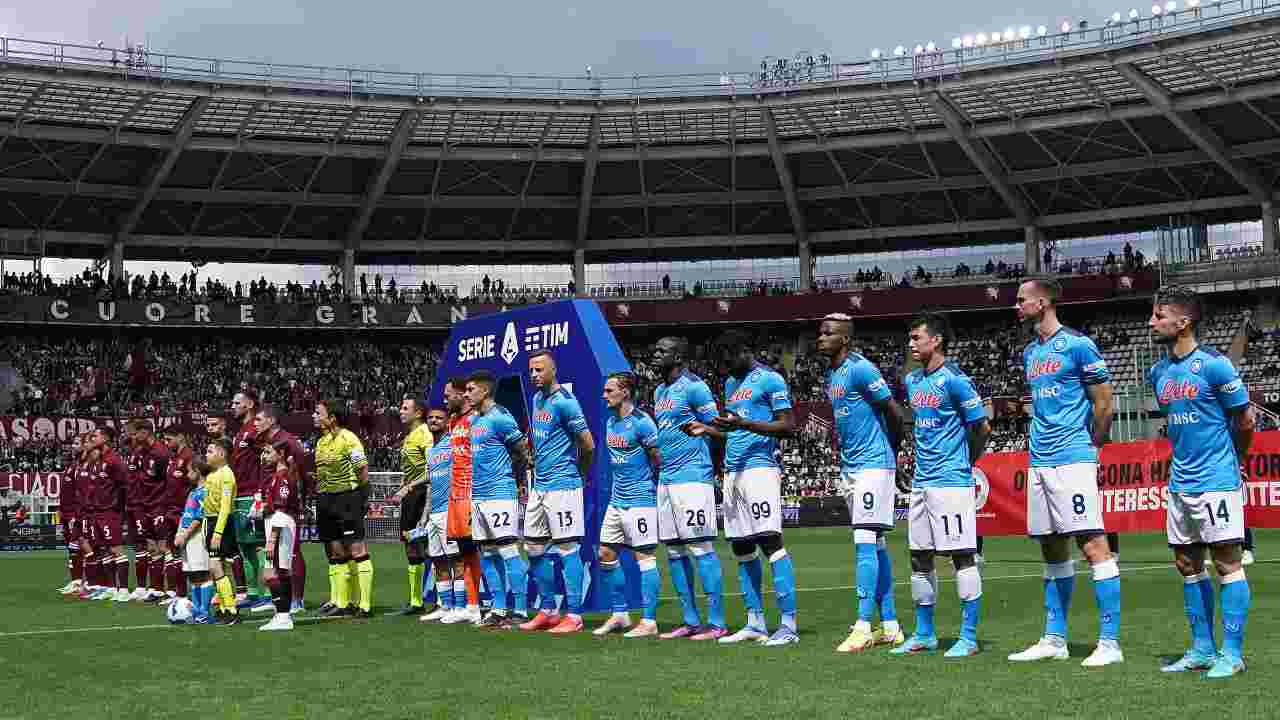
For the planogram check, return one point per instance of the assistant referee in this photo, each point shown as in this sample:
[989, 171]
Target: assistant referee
[342, 476]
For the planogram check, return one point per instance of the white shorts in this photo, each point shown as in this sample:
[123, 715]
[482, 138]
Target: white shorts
[493, 520]
[870, 496]
[438, 543]
[753, 503]
[195, 555]
[554, 514]
[636, 527]
[1064, 500]
[943, 519]
[288, 530]
[1211, 518]
[686, 513]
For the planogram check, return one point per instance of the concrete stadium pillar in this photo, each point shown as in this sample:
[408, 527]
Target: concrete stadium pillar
[116, 266]
[349, 272]
[1031, 248]
[1270, 238]
[806, 266]
[580, 272]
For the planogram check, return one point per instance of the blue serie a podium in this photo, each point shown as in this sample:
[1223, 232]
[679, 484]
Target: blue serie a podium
[586, 352]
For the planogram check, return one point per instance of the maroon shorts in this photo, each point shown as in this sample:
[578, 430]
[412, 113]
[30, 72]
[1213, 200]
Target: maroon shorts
[71, 530]
[108, 529]
[136, 522]
[162, 525]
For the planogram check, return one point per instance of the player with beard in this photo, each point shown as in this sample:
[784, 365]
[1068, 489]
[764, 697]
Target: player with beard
[1210, 426]
[135, 511]
[451, 588]
[247, 525]
[159, 527]
[177, 491]
[267, 424]
[412, 495]
[106, 502]
[1071, 420]
[216, 428]
[869, 431]
[69, 515]
[458, 522]
[686, 489]
[342, 472]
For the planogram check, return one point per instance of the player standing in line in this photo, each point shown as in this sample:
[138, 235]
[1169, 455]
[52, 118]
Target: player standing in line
[247, 465]
[458, 522]
[135, 511]
[98, 574]
[283, 506]
[153, 486]
[267, 423]
[451, 589]
[951, 431]
[1210, 425]
[215, 427]
[563, 451]
[69, 515]
[189, 541]
[1072, 404]
[757, 413]
[177, 489]
[342, 471]
[869, 432]
[498, 450]
[412, 495]
[686, 489]
[107, 504]
[631, 520]
[219, 499]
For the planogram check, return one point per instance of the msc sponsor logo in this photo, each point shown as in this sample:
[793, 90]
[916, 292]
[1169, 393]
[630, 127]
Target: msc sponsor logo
[1184, 418]
[1044, 393]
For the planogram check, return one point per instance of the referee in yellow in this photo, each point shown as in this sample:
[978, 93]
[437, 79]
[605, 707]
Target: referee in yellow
[342, 477]
[413, 495]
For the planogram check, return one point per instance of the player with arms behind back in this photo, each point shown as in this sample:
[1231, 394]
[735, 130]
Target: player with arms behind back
[868, 427]
[1071, 401]
[412, 495]
[951, 431]
[631, 520]
[563, 451]
[757, 413]
[1210, 424]
[686, 490]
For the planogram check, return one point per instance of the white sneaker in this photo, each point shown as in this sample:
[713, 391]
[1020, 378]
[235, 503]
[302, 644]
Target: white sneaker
[1246, 558]
[435, 615]
[138, 595]
[1047, 648]
[979, 560]
[646, 628]
[167, 601]
[279, 621]
[122, 596]
[68, 588]
[1107, 653]
[616, 622]
[747, 633]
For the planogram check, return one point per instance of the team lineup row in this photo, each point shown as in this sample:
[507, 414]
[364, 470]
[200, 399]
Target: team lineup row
[460, 509]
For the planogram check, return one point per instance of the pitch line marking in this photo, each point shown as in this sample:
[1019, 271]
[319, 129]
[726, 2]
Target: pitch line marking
[312, 620]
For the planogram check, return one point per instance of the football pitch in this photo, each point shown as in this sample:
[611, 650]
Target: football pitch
[73, 658]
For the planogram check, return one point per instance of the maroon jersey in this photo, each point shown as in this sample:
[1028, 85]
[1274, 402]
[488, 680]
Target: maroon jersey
[177, 484]
[110, 478]
[293, 450]
[68, 490]
[282, 494]
[152, 483]
[246, 461]
[134, 492]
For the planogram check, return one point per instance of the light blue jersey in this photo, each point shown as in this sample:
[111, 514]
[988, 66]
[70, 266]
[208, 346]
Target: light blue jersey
[943, 402]
[684, 458]
[1059, 371]
[1198, 394]
[491, 475]
[556, 421]
[440, 470]
[860, 426]
[758, 397]
[630, 438]
[193, 510]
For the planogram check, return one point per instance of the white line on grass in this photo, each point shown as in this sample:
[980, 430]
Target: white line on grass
[309, 620]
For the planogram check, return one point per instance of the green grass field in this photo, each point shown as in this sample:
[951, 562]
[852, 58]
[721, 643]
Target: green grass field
[72, 658]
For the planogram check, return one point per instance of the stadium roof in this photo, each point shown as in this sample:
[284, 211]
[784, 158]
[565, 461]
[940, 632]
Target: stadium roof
[1074, 133]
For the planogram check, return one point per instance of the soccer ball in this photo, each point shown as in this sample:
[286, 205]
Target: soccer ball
[179, 611]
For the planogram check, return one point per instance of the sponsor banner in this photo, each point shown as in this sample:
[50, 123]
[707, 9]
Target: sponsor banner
[31, 537]
[174, 313]
[1133, 481]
